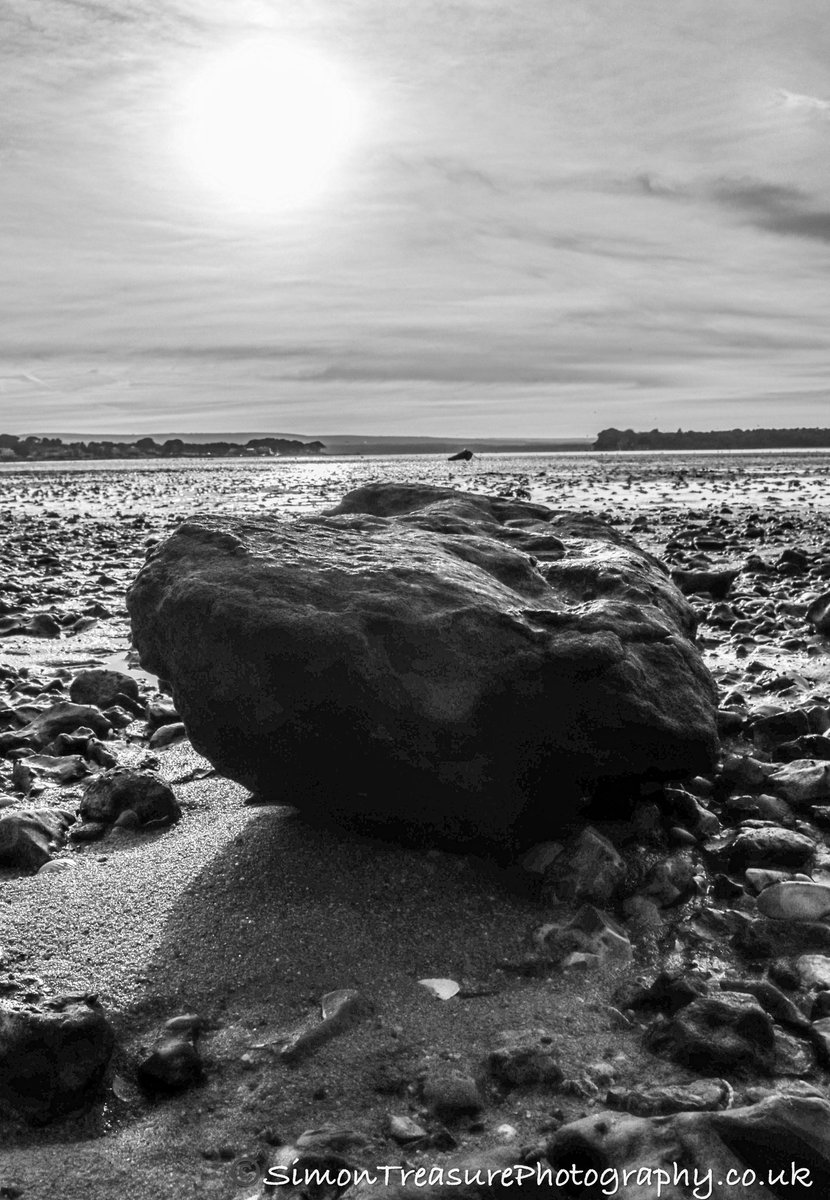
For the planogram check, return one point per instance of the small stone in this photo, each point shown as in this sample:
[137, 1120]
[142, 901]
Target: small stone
[442, 989]
[340, 1012]
[63, 717]
[29, 838]
[101, 687]
[331, 1139]
[814, 970]
[404, 1129]
[47, 768]
[642, 914]
[525, 1058]
[707, 1095]
[723, 1032]
[771, 846]
[58, 866]
[591, 938]
[803, 782]
[679, 836]
[506, 1133]
[670, 880]
[588, 869]
[189, 1024]
[165, 735]
[43, 624]
[687, 809]
[745, 771]
[792, 1056]
[161, 712]
[450, 1095]
[88, 831]
[780, 1007]
[173, 1066]
[769, 732]
[795, 901]
[818, 613]
[112, 792]
[341, 1003]
[759, 879]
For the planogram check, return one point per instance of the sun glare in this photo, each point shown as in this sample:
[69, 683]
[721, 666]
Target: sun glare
[267, 124]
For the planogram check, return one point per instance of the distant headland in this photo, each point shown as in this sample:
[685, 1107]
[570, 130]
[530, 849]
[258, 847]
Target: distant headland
[717, 439]
[35, 449]
[63, 447]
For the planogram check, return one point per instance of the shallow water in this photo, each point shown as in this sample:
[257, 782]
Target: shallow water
[601, 482]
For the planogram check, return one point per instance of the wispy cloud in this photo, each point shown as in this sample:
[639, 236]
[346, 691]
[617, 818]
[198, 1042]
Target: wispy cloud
[777, 208]
[783, 210]
[559, 217]
[793, 100]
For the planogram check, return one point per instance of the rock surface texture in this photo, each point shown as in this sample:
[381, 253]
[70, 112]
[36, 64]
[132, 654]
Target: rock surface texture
[786, 1134]
[422, 656]
[53, 1056]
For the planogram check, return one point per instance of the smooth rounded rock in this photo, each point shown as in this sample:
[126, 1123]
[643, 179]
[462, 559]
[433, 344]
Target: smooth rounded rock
[814, 970]
[102, 687]
[173, 1066]
[795, 901]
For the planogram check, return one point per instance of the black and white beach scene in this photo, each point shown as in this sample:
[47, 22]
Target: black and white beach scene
[415, 599]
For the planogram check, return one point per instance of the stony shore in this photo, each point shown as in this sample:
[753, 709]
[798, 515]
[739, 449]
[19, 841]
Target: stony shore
[246, 916]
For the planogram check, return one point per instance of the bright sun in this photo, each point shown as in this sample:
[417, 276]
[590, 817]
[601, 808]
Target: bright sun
[268, 123]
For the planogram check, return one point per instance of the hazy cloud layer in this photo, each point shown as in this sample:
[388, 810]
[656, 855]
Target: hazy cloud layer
[560, 216]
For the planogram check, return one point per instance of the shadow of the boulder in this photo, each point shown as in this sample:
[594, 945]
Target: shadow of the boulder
[290, 910]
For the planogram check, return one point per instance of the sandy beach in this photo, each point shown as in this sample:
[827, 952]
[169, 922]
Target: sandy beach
[246, 915]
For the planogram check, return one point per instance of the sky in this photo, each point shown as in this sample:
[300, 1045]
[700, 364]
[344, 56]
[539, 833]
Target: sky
[524, 218]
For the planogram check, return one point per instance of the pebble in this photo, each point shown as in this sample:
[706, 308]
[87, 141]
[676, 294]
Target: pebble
[166, 735]
[30, 837]
[589, 869]
[795, 900]
[111, 793]
[803, 782]
[58, 866]
[173, 1065]
[814, 970]
[404, 1129]
[451, 1094]
[771, 846]
[525, 1058]
[102, 687]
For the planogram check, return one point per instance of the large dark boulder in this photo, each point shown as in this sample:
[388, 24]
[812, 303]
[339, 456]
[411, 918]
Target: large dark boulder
[459, 662]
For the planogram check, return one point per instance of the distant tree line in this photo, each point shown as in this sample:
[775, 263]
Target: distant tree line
[14, 448]
[718, 439]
